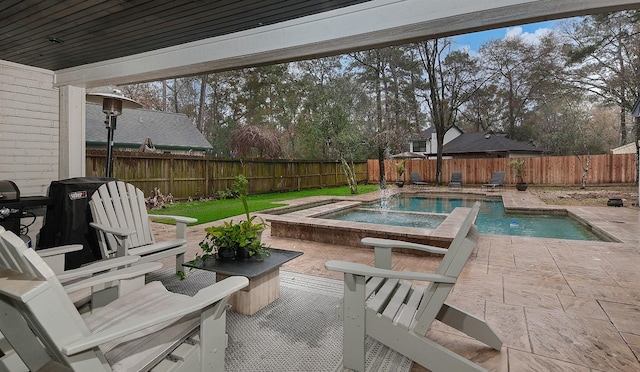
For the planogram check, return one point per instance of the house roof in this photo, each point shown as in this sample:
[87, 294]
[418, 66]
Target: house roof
[485, 142]
[629, 148]
[166, 130]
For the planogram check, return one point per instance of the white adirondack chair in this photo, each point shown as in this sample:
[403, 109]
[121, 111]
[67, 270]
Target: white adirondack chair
[90, 286]
[91, 282]
[379, 302]
[122, 224]
[148, 328]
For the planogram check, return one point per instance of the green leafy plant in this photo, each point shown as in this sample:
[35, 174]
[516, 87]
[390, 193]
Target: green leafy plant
[400, 167]
[518, 169]
[231, 238]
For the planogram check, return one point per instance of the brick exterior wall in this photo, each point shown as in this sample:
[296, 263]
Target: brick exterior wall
[29, 127]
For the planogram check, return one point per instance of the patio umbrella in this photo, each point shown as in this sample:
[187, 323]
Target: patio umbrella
[112, 105]
[408, 155]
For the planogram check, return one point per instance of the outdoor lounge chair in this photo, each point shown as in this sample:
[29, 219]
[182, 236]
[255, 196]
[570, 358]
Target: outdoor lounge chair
[456, 180]
[90, 283]
[148, 327]
[379, 303]
[122, 224]
[94, 285]
[497, 180]
[415, 179]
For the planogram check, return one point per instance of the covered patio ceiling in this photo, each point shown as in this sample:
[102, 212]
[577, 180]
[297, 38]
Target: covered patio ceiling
[102, 42]
[61, 34]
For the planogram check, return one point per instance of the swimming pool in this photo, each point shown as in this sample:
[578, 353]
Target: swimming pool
[492, 218]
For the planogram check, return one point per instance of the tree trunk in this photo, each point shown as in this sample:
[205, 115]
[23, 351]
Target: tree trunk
[585, 171]
[351, 177]
[164, 95]
[203, 93]
[623, 126]
[174, 98]
[637, 121]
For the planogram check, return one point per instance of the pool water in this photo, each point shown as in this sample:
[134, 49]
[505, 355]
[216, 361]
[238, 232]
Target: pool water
[388, 217]
[492, 218]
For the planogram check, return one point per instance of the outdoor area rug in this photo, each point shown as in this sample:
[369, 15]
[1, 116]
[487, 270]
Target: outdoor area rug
[298, 332]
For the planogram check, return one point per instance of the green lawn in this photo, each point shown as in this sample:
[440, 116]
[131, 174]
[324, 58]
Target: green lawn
[213, 210]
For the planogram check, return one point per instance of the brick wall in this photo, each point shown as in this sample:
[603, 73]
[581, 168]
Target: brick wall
[29, 127]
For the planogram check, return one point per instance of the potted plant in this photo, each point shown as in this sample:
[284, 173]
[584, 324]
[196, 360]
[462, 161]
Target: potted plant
[518, 169]
[400, 169]
[235, 240]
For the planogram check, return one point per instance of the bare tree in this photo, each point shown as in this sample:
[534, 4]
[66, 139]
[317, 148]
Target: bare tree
[203, 95]
[450, 76]
[605, 57]
[246, 138]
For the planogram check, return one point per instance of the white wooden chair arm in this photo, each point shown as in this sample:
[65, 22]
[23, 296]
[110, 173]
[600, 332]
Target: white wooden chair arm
[20, 286]
[120, 233]
[389, 243]
[179, 219]
[112, 276]
[202, 299]
[54, 251]
[366, 270]
[55, 257]
[97, 267]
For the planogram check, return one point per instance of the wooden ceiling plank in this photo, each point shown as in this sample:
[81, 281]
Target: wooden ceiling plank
[39, 15]
[7, 5]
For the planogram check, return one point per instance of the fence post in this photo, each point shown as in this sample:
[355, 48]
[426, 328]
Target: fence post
[171, 185]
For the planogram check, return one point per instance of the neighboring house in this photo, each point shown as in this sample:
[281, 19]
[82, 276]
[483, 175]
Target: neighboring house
[160, 131]
[629, 148]
[427, 143]
[472, 145]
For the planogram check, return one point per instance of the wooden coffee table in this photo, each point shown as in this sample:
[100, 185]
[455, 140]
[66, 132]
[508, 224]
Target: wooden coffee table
[264, 278]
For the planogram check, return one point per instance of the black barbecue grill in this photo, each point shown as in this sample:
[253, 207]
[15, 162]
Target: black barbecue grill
[10, 207]
[66, 216]
[13, 208]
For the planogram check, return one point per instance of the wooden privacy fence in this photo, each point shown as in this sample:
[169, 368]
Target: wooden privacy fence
[548, 170]
[196, 176]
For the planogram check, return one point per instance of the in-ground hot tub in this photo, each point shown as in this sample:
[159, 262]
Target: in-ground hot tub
[309, 224]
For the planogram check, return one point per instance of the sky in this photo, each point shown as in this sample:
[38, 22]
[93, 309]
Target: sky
[474, 40]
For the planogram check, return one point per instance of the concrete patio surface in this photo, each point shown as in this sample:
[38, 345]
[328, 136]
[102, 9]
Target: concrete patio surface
[558, 305]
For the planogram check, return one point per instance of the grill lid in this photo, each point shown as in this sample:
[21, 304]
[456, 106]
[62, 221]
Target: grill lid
[8, 191]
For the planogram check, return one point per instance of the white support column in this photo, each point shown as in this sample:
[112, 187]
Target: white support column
[72, 132]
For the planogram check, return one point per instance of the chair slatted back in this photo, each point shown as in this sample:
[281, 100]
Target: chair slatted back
[42, 318]
[451, 265]
[121, 205]
[11, 257]
[497, 178]
[456, 177]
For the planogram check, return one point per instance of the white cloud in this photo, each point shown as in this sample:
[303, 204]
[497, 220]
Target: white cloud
[513, 32]
[531, 38]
